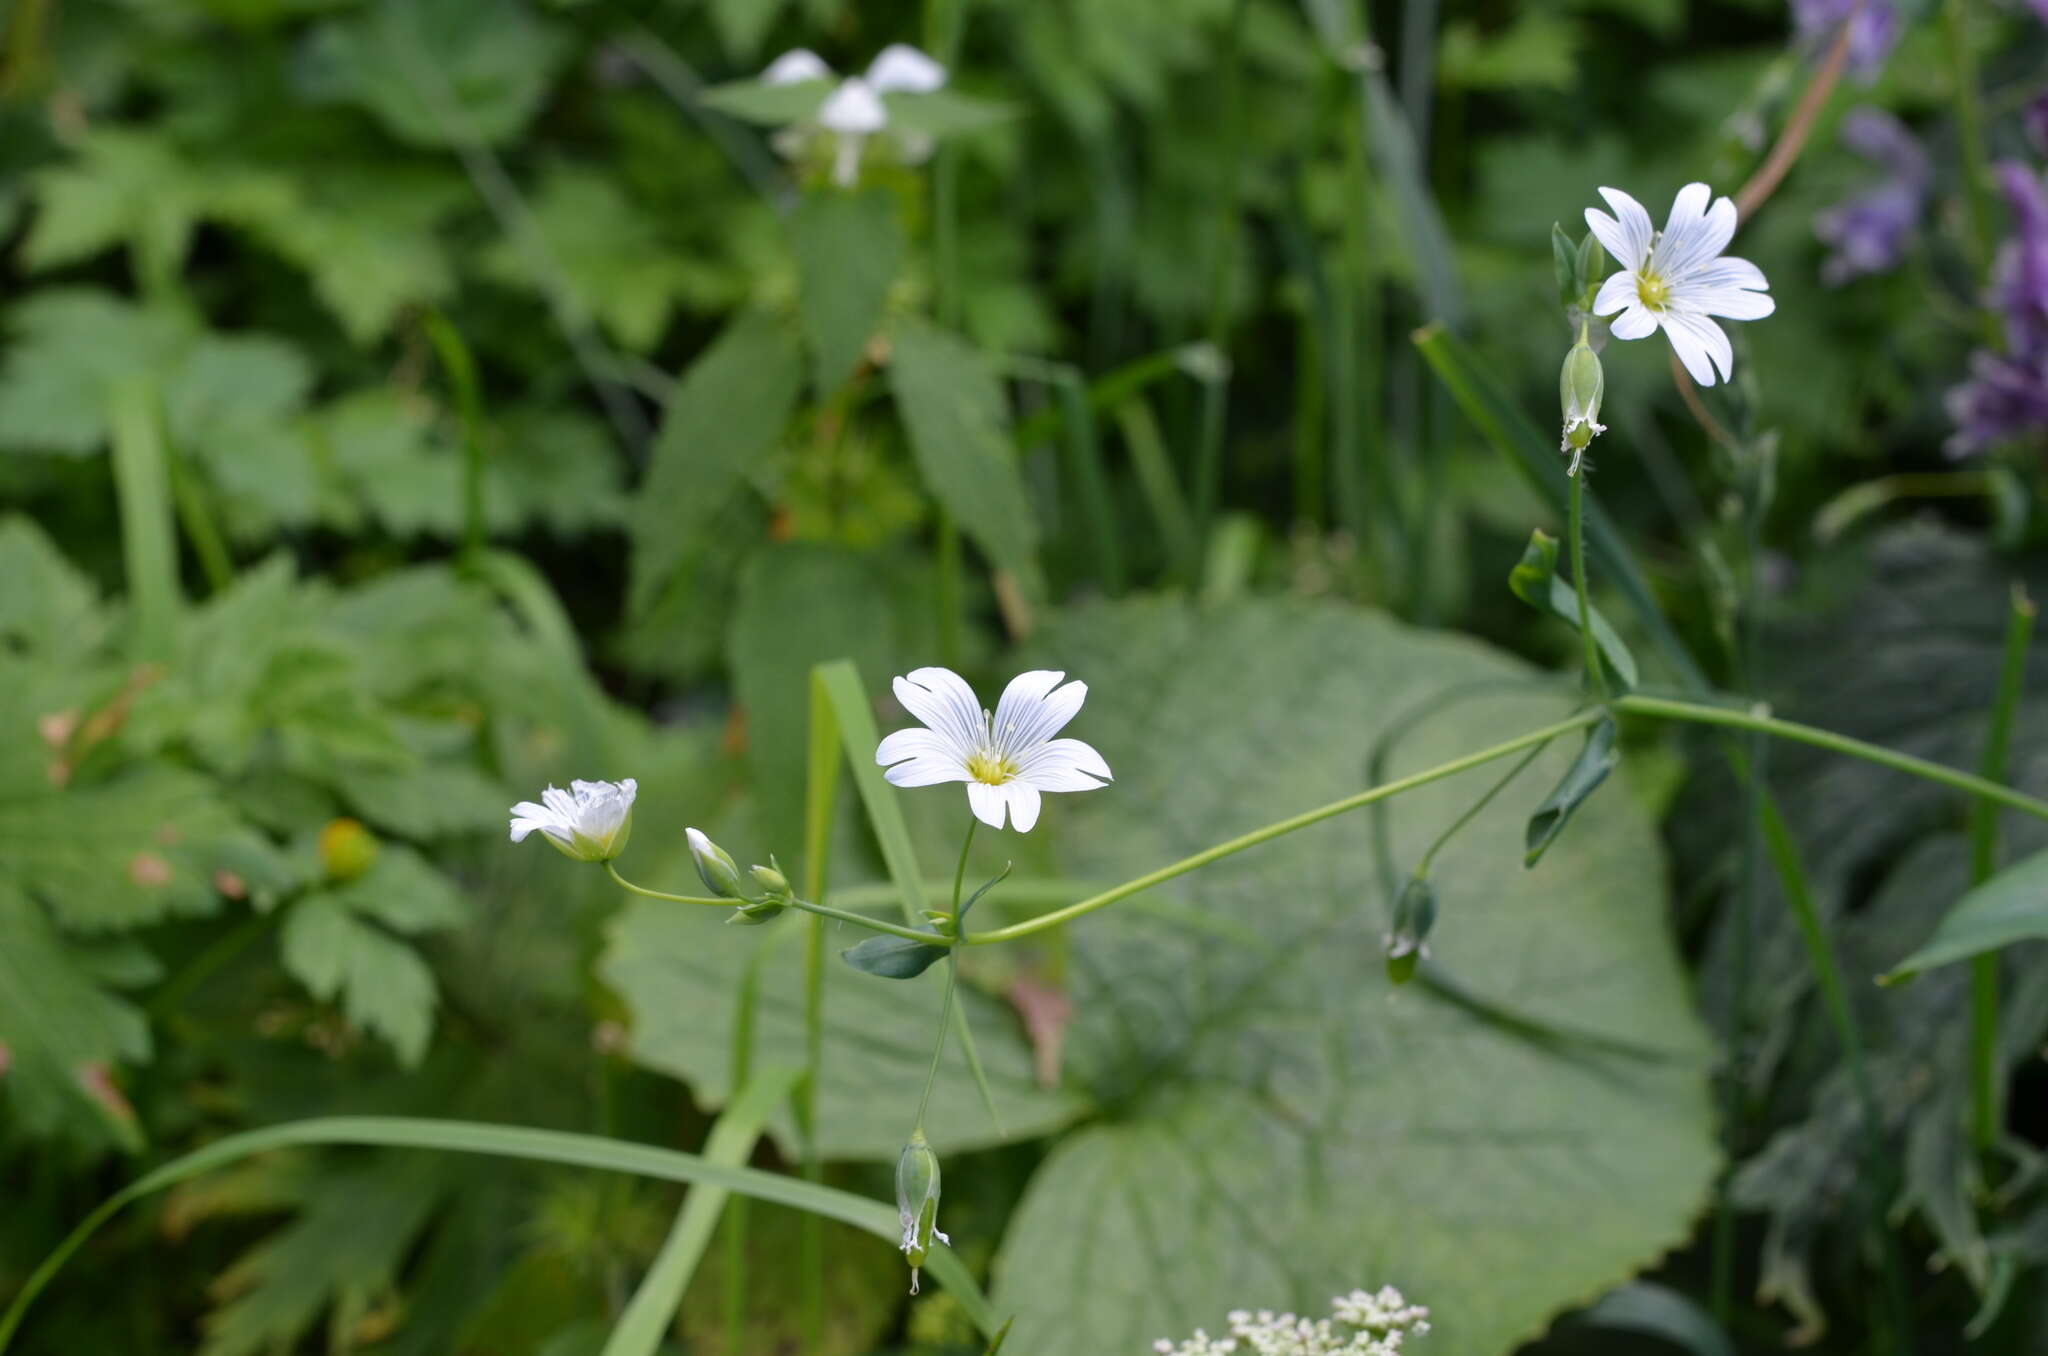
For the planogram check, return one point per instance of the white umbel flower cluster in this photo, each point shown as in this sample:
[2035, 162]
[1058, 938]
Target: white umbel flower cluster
[1362, 1323]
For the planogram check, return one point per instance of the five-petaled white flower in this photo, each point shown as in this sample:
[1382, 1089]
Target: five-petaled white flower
[1007, 758]
[854, 111]
[589, 821]
[1677, 277]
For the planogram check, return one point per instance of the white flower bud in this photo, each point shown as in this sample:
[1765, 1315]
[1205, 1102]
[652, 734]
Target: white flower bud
[715, 866]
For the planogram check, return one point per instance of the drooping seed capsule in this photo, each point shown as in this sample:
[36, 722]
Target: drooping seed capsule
[1414, 915]
[1580, 386]
[917, 1201]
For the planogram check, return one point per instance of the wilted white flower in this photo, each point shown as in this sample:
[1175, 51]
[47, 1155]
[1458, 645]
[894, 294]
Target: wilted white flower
[1007, 758]
[1676, 278]
[853, 112]
[589, 821]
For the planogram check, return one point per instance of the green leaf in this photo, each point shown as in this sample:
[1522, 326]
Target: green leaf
[404, 892]
[49, 607]
[958, 419]
[593, 243]
[69, 347]
[944, 112]
[382, 983]
[61, 1034]
[644, 1325]
[136, 849]
[1535, 581]
[893, 957]
[2010, 907]
[742, 24]
[768, 105]
[440, 73]
[422, 802]
[799, 605]
[507, 1141]
[1564, 263]
[1587, 771]
[1659, 1311]
[1288, 1131]
[727, 413]
[848, 249]
[356, 1226]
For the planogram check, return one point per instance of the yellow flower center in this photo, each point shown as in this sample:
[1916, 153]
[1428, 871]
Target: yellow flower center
[1652, 291]
[990, 769]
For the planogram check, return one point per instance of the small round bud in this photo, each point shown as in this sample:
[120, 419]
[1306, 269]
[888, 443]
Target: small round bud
[715, 866]
[1414, 916]
[347, 850]
[772, 880]
[917, 1201]
[1579, 388]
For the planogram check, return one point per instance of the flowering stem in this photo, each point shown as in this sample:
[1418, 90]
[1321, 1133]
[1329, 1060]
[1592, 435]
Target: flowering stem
[1596, 677]
[625, 884]
[1285, 826]
[1792, 140]
[1741, 718]
[824, 910]
[952, 979]
[1472, 813]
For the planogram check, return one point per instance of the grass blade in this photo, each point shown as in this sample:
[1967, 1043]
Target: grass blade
[653, 1307]
[509, 1141]
[149, 546]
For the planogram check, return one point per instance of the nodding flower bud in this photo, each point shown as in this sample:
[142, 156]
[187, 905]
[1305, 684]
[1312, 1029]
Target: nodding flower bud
[1579, 388]
[1414, 915]
[917, 1201]
[715, 866]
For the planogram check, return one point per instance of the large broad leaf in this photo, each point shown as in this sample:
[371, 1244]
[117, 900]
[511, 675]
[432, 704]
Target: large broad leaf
[61, 1033]
[1284, 1127]
[848, 248]
[728, 411]
[959, 430]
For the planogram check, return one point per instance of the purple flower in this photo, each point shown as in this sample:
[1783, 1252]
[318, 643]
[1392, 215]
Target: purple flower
[1868, 231]
[2019, 286]
[1873, 30]
[2004, 398]
[2007, 394]
[2035, 119]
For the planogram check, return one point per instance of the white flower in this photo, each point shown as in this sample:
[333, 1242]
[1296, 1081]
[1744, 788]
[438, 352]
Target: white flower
[854, 111]
[589, 821]
[1005, 759]
[1677, 277]
[795, 67]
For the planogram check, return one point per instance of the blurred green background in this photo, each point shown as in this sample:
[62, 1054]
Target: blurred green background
[405, 404]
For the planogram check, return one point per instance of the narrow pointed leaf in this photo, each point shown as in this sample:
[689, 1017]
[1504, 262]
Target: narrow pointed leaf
[1584, 776]
[1535, 581]
[1657, 1311]
[848, 248]
[893, 957]
[2010, 907]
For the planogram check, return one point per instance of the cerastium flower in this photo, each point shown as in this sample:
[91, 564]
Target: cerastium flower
[1007, 758]
[589, 821]
[1362, 1323]
[1676, 278]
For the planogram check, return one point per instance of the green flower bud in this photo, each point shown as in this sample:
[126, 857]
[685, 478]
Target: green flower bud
[917, 1201]
[1414, 915]
[755, 913]
[715, 866]
[1579, 388]
[347, 850]
[771, 878]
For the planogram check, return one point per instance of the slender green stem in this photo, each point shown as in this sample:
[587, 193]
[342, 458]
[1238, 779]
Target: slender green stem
[1422, 867]
[1986, 1114]
[811, 1240]
[1962, 64]
[1354, 801]
[1596, 677]
[625, 884]
[931, 1074]
[196, 515]
[1745, 719]
[460, 368]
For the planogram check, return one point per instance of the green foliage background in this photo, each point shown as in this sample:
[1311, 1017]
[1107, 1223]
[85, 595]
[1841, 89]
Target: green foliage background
[406, 404]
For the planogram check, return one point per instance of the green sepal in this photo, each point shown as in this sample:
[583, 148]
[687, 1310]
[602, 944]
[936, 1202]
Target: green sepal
[1535, 581]
[1580, 780]
[893, 957]
[1590, 262]
[1414, 916]
[1564, 259]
